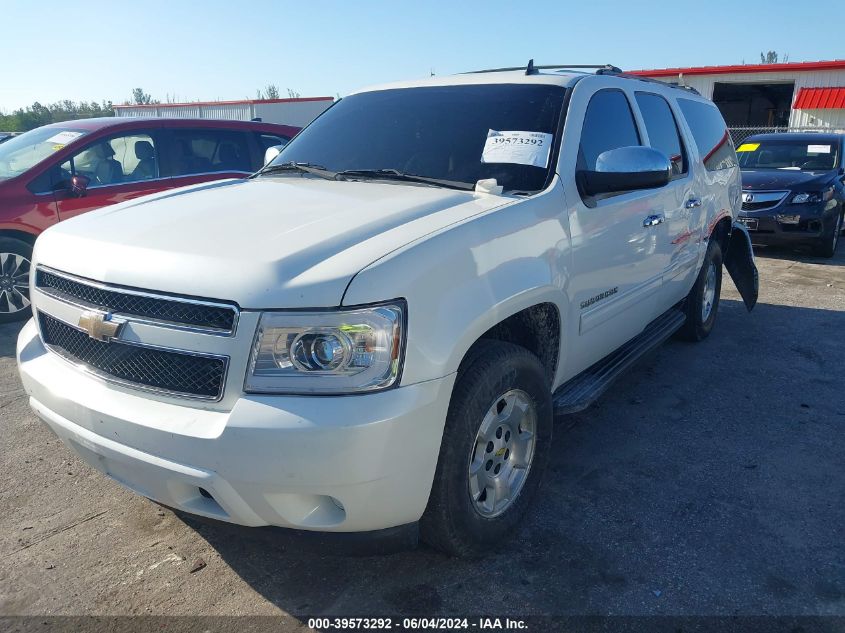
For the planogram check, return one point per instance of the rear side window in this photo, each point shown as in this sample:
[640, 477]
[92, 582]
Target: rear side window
[608, 124]
[710, 134]
[208, 151]
[662, 129]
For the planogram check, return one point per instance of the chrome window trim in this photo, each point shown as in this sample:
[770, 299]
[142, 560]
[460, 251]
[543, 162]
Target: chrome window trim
[108, 378]
[158, 179]
[140, 293]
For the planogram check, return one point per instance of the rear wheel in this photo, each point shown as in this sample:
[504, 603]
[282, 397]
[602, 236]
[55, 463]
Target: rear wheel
[494, 450]
[702, 302]
[827, 246]
[15, 262]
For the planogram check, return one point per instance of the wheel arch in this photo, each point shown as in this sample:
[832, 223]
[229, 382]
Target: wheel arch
[536, 328]
[721, 232]
[17, 234]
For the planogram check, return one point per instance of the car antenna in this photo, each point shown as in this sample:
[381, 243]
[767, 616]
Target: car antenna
[530, 70]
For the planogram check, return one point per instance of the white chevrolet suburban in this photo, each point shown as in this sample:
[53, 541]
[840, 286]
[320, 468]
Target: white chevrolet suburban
[376, 331]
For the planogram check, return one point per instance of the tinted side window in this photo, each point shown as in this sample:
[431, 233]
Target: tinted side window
[208, 151]
[662, 129]
[710, 134]
[608, 124]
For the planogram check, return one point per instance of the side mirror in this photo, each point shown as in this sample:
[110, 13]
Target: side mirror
[79, 185]
[627, 169]
[271, 152]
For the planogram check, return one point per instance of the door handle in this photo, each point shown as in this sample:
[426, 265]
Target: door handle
[654, 220]
[693, 203]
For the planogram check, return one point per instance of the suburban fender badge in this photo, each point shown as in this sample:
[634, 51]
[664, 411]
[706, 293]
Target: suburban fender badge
[604, 295]
[100, 325]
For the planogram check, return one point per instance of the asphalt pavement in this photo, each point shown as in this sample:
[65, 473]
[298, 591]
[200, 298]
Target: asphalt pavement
[710, 480]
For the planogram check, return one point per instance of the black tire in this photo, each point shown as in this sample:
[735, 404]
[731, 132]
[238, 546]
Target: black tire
[15, 261]
[492, 369]
[697, 327]
[827, 244]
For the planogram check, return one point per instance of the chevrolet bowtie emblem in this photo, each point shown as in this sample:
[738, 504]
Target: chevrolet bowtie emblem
[99, 325]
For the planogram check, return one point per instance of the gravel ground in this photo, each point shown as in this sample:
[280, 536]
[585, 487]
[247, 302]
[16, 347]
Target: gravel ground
[710, 480]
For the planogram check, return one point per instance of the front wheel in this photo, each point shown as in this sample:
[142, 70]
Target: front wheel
[827, 246]
[15, 262]
[702, 302]
[494, 450]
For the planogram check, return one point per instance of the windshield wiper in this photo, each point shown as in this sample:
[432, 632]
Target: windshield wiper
[395, 174]
[305, 168]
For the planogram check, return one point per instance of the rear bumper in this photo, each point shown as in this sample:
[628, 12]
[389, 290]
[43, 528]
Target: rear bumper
[337, 464]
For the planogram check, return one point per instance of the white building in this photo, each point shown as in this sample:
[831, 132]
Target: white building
[297, 112]
[788, 95]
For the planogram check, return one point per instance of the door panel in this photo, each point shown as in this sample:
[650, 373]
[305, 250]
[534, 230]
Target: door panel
[102, 196]
[682, 207]
[617, 262]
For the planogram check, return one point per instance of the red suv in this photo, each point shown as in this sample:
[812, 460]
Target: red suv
[61, 170]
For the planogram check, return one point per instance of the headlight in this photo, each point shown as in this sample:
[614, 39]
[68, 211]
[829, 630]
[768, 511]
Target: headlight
[812, 197]
[801, 198]
[341, 351]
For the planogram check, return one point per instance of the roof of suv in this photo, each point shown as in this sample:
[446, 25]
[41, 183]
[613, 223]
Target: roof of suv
[562, 76]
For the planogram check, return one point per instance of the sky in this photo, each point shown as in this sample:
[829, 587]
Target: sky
[212, 50]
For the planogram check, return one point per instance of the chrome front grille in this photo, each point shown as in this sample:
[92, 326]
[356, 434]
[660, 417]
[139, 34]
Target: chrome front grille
[185, 312]
[181, 373]
[761, 200]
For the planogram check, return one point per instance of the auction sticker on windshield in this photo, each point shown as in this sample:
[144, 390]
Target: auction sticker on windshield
[63, 138]
[818, 149]
[521, 148]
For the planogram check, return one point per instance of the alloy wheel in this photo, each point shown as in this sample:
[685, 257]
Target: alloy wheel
[14, 283]
[709, 292]
[503, 452]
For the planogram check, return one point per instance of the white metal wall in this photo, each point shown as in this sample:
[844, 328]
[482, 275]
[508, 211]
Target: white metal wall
[806, 79]
[297, 113]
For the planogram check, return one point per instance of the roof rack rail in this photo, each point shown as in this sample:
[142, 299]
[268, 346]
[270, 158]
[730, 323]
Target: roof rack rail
[622, 73]
[601, 69]
[531, 69]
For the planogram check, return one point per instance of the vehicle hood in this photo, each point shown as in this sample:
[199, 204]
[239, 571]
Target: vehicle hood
[783, 179]
[270, 242]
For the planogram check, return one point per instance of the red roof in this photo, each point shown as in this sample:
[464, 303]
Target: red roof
[835, 64]
[820, 98]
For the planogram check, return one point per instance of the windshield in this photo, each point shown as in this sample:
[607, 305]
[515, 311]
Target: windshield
[815, 155]
[20, 153]
[452, 133]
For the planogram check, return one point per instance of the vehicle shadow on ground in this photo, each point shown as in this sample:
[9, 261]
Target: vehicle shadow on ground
[701, 483]
[9, 338]
[803, 255]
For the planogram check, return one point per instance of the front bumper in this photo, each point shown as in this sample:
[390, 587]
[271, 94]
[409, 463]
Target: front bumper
[765, 229]
[336, 464]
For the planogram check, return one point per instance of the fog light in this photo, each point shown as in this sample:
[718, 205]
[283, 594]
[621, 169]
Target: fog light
[788, 219]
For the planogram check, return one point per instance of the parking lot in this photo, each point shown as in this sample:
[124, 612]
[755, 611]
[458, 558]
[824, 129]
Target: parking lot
[709, 481]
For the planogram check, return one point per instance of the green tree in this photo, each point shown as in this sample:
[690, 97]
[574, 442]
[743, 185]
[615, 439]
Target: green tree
[139, 97]
[36, 115]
